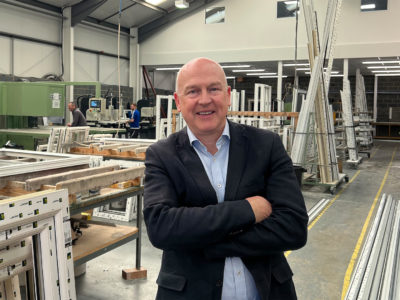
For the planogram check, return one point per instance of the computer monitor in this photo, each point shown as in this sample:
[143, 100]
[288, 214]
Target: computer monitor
[95, 103]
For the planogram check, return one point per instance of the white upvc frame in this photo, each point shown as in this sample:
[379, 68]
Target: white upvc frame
[44, 218]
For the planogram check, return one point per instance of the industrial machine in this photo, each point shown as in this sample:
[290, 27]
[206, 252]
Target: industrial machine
[104, 112]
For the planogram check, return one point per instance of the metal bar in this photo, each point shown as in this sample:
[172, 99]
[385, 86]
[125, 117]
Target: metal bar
[139, 236]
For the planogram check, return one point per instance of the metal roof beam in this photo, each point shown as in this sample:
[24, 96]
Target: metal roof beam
[39, 4]
[116, 13]
[83, 9]
[94, 21]
[151, 28]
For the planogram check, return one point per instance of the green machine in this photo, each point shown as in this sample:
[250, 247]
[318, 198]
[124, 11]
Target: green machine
[35, 99]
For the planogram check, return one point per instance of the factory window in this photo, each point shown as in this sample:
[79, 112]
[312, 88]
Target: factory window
[215, 15]
[370, 5]
[286, 9]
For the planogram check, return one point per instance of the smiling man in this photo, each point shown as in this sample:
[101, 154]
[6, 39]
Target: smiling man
[221, 199]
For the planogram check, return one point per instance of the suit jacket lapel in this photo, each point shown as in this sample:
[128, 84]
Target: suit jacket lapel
[195, 168]
[237, 160]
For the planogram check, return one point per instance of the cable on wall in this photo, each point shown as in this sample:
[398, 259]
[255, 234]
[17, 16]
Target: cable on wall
[119, 69]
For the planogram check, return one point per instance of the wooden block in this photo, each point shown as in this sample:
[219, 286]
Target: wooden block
[129, 274]
[72, 199]
[126, 184]
[36, 183]
[47, 187]
[16, 184]
[100, 180]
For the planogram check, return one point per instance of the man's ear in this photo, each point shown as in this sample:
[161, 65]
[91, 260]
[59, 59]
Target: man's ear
[228, 91]
[177, 101]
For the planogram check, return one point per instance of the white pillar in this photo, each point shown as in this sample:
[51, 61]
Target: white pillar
[68, 59]
[134, 63]
[345, 69]
[279, 87]
[375, 101]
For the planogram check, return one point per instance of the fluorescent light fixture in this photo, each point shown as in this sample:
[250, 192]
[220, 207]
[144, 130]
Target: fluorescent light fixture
[332, 72]
[181, 4]
[237, 66]
[303, 69]
[384, 67]
[168, 69]
[368, 6]
[154, 2]
[290, 2]
[381, 62]
[272, 76]
[380, 75]
[386, 71]
[260, 74]
[244, 71]
[295, 65]
[230, 77]
[337, 75]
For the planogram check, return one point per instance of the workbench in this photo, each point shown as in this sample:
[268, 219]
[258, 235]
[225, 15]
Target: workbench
[89, 245]
[30, 138]
[387, 130]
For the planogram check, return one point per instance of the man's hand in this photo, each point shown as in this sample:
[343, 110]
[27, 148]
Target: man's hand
[69, 124]
[261, 207]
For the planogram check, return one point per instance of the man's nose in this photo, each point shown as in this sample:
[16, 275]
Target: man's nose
[205, 97]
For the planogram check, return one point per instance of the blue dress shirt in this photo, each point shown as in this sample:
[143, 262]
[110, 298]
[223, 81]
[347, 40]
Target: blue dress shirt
[238, 282]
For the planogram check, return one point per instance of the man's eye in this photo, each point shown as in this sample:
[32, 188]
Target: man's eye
[214, 90]
[192, 92]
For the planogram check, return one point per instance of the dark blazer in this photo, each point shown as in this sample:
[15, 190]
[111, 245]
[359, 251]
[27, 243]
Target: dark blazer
[184, 219]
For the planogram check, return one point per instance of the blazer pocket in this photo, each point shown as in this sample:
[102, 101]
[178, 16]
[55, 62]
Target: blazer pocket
[171, 281]
[282, 272]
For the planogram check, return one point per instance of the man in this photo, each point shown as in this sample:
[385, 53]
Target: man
[134, 119]
[221, 199]
[77, 117]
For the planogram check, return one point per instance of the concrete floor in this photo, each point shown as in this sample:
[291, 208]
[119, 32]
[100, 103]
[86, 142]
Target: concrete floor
[319, 267]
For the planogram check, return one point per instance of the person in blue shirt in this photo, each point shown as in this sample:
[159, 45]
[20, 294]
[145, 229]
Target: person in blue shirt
[221, 200]
[134, 119]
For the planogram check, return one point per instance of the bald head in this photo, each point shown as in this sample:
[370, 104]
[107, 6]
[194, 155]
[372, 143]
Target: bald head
[191, 67]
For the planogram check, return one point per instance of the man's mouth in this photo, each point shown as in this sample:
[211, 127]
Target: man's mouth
[205, 113]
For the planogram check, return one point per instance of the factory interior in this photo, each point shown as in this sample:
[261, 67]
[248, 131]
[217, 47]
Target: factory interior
[87, 88]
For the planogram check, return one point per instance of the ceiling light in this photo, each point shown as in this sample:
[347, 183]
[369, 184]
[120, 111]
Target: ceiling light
[337, 75]
[244, 71]
[181, 4]
[290, 2]
[368, 6]
[381, 62]
[154, 2]
[379, 75]
[273, 76]
[384, 67]
[237, 66]
[230, 77]
[168, 69]
[332, 72]
[387, 71]
[260, 74]
[303, 69]
[295, 65]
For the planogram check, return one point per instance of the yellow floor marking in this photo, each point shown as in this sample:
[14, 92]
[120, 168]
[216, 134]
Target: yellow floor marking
[353, 259]
[329, 205]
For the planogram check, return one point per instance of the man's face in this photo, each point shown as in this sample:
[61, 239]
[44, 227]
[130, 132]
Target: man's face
[133, 107]
[71, 107]
[203, 97]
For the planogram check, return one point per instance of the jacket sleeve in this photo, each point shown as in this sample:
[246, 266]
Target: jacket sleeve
[170, 225]
[285, 229]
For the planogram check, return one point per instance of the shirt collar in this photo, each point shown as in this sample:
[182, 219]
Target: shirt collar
[225, 133]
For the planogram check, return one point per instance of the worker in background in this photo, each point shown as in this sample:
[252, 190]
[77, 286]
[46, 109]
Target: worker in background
[134, 119]
[78, 118]
[221, 200]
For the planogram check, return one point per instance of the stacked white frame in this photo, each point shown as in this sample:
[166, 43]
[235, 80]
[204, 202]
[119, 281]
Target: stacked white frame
[43, 216]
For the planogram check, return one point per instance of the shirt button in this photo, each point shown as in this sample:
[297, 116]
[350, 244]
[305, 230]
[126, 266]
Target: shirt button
[219, 186]
[218, 283]
[214, 159]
